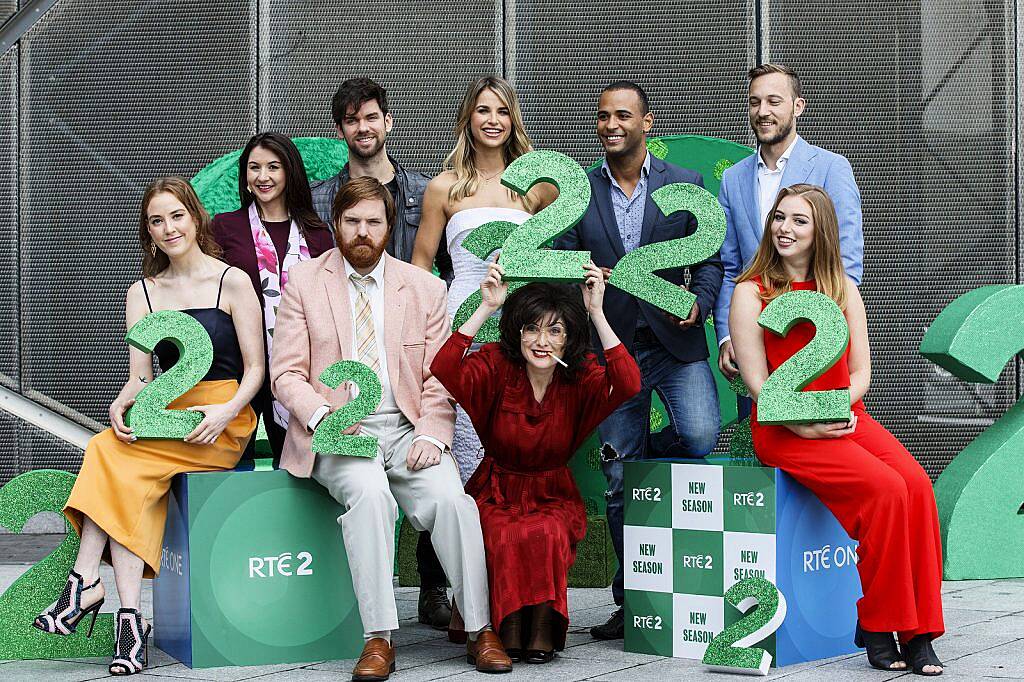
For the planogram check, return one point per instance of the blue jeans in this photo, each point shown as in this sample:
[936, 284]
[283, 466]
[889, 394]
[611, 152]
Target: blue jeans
[688, 391]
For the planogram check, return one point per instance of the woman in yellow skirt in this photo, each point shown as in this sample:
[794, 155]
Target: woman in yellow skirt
[119, 503]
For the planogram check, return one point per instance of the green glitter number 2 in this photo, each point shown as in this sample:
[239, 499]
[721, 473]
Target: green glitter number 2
[732, 650]
[328, 438]
[43, 490]
[148, 417]
[979, 494]
[782, 399]
[482, 242]
[522, 256]
[634, 271]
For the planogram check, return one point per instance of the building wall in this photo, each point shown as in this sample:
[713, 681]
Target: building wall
[99, 97]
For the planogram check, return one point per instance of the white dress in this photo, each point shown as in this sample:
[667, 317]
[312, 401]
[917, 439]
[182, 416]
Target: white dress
[469, 271]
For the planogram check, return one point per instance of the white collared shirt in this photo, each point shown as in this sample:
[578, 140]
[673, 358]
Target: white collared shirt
[769, 181]
[375, 292]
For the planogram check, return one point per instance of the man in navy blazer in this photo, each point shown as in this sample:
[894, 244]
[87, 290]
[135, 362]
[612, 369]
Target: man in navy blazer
[749, 189]
[672, 353]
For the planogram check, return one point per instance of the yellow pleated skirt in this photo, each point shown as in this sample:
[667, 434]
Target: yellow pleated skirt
[123, 487]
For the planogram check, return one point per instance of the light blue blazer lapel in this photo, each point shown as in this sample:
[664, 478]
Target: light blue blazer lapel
[800, 164]
[748, 197]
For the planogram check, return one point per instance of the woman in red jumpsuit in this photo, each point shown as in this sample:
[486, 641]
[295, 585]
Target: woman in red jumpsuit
[875, 488]
[534, 397]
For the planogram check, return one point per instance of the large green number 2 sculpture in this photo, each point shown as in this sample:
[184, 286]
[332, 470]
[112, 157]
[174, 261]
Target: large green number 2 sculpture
[43, 490]
[328, 438]
[521, 254]
[732, 650]
[782, 399]
[979, 494]
[482, 242]
[148, 417]
[633, 273]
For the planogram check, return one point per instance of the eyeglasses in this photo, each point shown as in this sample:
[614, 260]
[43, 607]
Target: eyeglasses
[532, 332]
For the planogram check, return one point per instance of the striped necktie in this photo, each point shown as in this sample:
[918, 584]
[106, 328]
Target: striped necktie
[366, 336]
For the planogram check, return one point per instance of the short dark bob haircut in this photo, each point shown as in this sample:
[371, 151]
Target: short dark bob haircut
[534, 302]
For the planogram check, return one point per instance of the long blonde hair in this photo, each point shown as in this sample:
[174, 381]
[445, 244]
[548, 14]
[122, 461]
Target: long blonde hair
[461, 158]
[826, 262]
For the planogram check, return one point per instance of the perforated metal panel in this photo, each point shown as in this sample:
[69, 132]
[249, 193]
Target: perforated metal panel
[691, 56]
[114, 95]
[10, 460]
[9, 354]
[424, 55]
[920, 97]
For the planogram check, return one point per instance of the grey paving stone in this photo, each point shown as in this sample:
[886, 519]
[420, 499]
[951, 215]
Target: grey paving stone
[957, 618]
[1004, 661]
[595, 650]
[999, 595]
[47, 671]
[406, 657]
[561, 669]
[227, 674]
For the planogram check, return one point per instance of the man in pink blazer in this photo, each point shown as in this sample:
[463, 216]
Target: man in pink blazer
[355, 302]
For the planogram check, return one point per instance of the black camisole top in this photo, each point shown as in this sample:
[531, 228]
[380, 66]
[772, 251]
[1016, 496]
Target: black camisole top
[227, 354]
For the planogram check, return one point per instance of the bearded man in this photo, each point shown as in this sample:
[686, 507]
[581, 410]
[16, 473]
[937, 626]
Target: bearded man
[356, 302]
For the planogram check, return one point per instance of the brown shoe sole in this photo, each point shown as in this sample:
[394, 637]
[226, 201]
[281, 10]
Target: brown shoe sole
[374, 678]
[502, 669]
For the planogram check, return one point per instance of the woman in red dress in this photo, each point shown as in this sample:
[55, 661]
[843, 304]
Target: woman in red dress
[875, 488]
[534, 397]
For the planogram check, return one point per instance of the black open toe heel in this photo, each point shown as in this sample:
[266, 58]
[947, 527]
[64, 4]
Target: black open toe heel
[920, 653]
[131, 655]
[881, 648]
[63, 618]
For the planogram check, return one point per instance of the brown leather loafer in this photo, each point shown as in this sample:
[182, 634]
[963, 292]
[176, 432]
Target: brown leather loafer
[487, 654]
[376, 663]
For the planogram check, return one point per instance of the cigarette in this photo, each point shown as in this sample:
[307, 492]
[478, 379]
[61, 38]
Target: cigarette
[559, 361]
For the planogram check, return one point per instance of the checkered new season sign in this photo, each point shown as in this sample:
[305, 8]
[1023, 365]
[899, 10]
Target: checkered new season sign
[694, 530]
[691, 532]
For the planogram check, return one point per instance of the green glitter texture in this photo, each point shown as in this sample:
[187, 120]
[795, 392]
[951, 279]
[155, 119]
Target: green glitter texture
[148, 417]
[521, 255]
[737, 386]
[979, 493]
[741, 443]
[657, 421]
[328, 438]
[657, 147]
[482, 242]
[43, 490]
[633, 272]
[731, 649]
[721, 167]
[782, 399]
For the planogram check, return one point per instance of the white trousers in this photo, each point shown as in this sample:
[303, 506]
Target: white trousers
[372, 490]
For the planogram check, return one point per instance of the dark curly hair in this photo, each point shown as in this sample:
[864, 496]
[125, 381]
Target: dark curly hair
[531, 304]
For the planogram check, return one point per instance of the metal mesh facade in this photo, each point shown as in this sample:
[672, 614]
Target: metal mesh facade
[919, 96]
[424, 56]
[112, 99]
[101, 97]
[691, 56]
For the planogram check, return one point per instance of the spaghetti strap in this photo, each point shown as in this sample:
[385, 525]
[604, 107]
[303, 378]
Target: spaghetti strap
[221, 286]
[146, 292]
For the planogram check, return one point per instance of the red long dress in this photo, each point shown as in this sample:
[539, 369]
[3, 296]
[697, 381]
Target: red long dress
[530, 509]
[877, 491]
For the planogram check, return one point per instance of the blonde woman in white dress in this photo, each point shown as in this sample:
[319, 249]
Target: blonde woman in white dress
[489, 135]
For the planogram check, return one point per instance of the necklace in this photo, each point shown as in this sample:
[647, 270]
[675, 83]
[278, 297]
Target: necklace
[488, 178]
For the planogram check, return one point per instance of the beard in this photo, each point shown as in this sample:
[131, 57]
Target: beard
[363, 253]
[378, 145]
[782, 132]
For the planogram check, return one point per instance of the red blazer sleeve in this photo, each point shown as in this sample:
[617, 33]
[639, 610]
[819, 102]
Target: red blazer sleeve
[604, 388]
[471, 378]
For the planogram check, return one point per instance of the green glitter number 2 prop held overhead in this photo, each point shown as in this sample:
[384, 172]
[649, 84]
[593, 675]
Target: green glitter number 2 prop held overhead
[149, 416]
[482, 241]
[329, 437]
[31, 493]
[782, 399]
[634, 271]
[521, 255]
[979, 494]
[732, 650]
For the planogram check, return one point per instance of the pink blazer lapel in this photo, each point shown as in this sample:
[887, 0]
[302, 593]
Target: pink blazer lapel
[336, 293]
[394, 318]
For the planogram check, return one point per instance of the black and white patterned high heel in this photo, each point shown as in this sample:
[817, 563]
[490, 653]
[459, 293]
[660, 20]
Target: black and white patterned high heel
[131, 653]
[65, 615]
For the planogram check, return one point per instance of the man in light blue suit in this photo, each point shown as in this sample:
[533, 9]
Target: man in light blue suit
[749, 189]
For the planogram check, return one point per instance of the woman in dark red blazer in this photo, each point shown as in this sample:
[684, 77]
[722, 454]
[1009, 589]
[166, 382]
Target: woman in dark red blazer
[275, 228]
